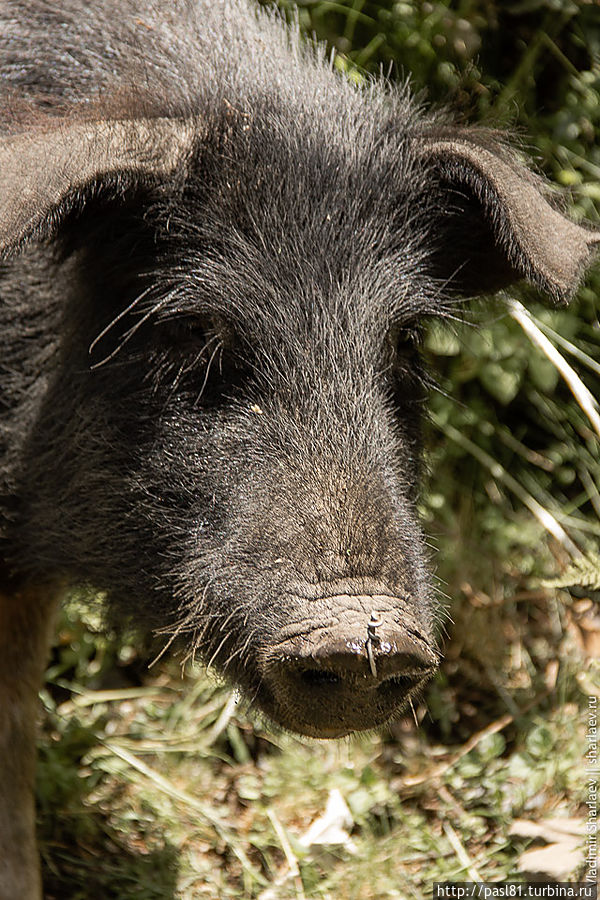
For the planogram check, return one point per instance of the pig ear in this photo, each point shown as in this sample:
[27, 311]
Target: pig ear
[497, 223]
[46, 172]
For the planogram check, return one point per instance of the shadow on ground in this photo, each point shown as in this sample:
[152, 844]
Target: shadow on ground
[85, 854]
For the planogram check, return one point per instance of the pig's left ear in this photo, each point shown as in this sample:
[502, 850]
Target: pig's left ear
[496, 222]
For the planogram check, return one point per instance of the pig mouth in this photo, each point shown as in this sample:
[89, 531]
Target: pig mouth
[346, 676]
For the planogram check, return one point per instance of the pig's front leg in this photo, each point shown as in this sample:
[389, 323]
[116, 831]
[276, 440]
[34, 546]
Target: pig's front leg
[26, 626]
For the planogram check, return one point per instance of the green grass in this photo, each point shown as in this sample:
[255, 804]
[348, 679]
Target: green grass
[141, 796]
[168, 789]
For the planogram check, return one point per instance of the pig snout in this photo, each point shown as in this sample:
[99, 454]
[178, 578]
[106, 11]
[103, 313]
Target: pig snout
[354, 673]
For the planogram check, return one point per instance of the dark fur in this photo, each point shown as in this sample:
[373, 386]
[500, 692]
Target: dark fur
[210, 393]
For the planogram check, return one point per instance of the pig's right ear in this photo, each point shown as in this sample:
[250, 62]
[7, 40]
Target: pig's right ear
[496, 223]
[48, 171]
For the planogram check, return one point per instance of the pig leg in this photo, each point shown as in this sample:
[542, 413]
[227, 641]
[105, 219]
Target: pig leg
[26, 624]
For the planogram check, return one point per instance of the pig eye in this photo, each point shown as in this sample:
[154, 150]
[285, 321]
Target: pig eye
[202, 350]
[403, 341]
[403, 362]
[190, 333]
[187, 329]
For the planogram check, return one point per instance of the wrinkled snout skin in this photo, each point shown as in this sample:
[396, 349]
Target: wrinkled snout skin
[331, 680]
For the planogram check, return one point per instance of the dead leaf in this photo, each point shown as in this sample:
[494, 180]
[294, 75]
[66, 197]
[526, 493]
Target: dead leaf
[549, 830]
[564, 852]
[556, 861]
[332, 829]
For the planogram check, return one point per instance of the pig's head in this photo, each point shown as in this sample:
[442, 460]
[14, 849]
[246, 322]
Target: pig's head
[228, 438]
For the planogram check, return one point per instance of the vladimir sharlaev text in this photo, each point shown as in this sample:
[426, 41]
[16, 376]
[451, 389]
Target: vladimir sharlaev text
[593, 772]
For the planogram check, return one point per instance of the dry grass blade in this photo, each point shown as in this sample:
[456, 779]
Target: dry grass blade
[584, 397]
[543, 515]
[291, 870]
[439, 769]
[223, 829]
[584, 358]
[461, 854]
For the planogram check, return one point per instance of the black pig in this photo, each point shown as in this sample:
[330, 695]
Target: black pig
[217, 253]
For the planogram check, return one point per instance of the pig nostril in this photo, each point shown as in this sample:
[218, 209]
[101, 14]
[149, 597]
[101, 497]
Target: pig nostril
[338, 680]
[318, 677]
[395, 684]
[403, 683]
